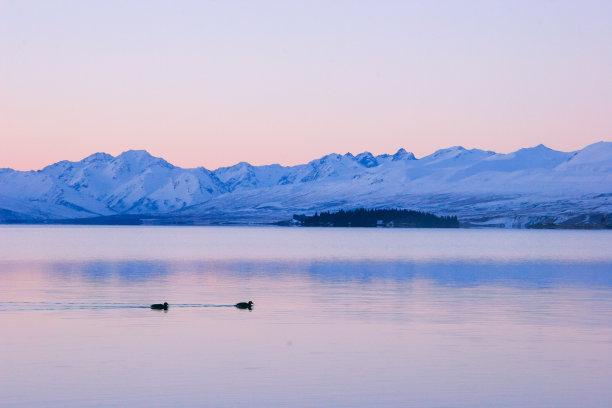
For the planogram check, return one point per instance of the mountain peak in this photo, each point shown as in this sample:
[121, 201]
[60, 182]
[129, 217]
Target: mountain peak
[366, 159]
[539, 147]
[142, 157]
[135, 154]
[330, 157]
[98, 157]
[402, 154]
[453, 150]
[594, 154]
[536, 151]
[601, 143]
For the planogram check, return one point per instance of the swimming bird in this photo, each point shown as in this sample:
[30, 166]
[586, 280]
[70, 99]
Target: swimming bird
[160, 306]
[244, 305]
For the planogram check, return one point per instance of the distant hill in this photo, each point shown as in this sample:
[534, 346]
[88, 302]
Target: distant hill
[384, 218]
[531, 187]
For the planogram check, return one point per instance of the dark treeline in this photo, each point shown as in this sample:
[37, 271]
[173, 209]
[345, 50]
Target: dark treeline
[362, 217]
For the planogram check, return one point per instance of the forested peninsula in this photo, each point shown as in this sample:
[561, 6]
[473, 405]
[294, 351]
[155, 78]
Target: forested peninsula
[384, 218]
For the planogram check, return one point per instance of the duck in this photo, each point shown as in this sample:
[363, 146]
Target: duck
[160, 306]
[245, 305]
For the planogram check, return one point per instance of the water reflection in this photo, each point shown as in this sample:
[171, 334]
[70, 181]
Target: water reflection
[100, 271]
[525, 274]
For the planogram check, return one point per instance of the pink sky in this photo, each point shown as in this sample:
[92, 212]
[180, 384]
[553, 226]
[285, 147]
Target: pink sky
[214, 83]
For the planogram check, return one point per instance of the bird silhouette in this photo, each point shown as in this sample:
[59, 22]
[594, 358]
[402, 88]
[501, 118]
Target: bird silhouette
[245, 305]
[160, 306]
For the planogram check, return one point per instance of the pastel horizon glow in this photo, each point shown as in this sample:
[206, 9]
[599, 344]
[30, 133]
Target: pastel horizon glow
[215, 83]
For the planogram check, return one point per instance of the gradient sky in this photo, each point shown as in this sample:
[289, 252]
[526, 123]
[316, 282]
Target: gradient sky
[213, 83]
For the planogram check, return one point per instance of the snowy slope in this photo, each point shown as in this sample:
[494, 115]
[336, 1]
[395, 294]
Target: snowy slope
[529, 186]
[133, 182]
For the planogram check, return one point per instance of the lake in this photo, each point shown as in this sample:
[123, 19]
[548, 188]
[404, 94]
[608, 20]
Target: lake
[342, 317]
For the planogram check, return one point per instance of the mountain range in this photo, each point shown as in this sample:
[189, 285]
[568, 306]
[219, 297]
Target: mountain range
[531, 187]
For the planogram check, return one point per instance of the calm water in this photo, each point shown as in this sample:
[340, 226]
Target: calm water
[343, 317]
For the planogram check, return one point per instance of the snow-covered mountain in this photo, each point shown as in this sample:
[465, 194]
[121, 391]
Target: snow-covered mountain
[531, 186]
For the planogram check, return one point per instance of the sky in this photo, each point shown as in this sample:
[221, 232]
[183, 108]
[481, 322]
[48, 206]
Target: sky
[213, 83]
